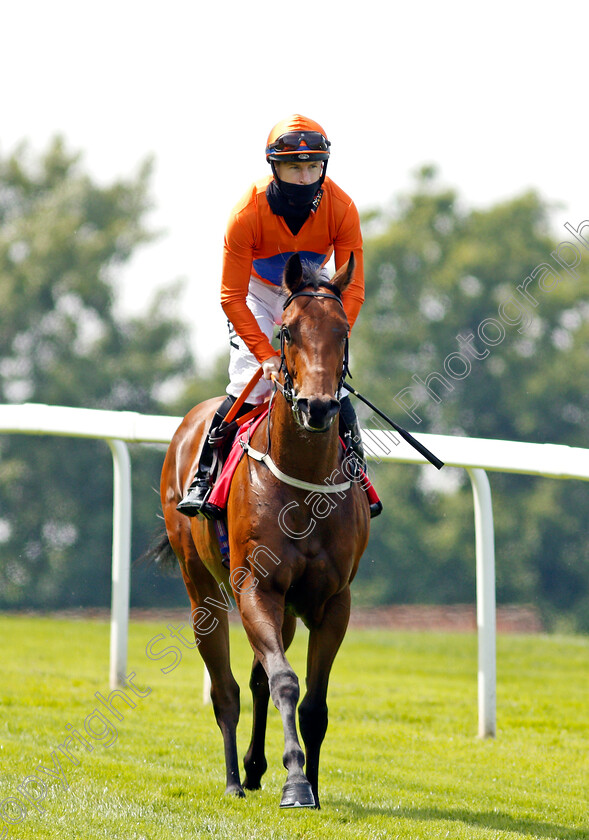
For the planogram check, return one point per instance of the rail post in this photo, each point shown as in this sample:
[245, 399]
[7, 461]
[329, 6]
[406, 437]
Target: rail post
[486, 622]
[121, 562]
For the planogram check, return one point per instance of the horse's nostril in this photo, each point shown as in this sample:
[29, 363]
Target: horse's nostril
[318, 411]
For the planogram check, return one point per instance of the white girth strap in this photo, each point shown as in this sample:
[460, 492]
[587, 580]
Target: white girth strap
[294, 482]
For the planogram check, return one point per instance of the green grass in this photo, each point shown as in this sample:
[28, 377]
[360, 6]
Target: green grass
[401, 758]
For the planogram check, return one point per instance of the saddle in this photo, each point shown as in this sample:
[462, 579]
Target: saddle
[230, 449]
[220, 492]
[225, 469]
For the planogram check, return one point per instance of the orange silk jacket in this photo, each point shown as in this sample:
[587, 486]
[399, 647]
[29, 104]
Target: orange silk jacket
[258, 243]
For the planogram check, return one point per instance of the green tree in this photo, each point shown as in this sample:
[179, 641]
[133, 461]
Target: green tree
[203, 387]
[63, 240]
[438, 273]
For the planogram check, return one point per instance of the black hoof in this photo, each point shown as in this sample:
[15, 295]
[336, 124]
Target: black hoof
[252, 785]
[254, 770]
[297, 795]
[235, 790]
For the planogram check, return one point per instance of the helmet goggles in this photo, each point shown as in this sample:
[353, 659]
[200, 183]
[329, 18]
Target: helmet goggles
[295, 142]
[291, 142]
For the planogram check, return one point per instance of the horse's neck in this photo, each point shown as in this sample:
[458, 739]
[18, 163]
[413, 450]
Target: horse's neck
[306, 455]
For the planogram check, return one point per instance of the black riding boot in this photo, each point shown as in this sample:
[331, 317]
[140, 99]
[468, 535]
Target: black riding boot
[195, 500]
[349, 430]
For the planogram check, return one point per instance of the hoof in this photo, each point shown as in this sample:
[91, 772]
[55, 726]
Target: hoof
[297, 795]
[235, 790]
[252, 785]
[254, 770]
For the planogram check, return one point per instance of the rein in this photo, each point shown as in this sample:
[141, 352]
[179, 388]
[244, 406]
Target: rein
[265, 458]
[287, 391]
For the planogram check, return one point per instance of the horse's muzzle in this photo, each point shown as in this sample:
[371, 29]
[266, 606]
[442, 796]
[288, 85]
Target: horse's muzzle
[316, 414]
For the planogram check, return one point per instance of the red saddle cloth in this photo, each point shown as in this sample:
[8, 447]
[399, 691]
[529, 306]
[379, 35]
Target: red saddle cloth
[220, 492]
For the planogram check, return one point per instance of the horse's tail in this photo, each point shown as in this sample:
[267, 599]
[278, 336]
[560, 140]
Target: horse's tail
[159, 552]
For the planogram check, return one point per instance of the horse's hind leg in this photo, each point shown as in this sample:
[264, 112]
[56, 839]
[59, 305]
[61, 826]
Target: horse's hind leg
[255, 759]
[211, 630]
[324, 643]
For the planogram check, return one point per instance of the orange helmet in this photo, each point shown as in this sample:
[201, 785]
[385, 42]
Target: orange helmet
[297, 138]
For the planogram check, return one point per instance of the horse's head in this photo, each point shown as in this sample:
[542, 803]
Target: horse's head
[314, 341]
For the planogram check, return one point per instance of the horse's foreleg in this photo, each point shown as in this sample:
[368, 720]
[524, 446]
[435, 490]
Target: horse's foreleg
[255, 760]
[262, 616]
[324, 643]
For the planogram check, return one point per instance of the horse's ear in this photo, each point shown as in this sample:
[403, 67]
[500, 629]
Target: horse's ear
[344, 275]
[293, 273]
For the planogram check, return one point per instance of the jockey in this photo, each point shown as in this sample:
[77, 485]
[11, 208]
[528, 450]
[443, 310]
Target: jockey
[295, 209]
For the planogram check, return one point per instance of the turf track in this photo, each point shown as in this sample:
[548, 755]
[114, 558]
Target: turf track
[401, 758]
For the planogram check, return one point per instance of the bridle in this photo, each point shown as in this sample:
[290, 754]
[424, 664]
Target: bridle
[287, 390]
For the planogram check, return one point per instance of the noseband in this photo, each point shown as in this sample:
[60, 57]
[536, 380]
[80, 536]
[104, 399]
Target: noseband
[287, 390]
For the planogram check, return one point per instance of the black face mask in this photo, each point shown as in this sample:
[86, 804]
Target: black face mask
[293, 202]
[299, 195]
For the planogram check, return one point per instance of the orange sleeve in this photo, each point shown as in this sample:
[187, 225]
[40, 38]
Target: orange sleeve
[252, 234]
[238, 254]
[348, 240]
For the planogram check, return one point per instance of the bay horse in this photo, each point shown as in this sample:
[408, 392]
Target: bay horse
[287, 560]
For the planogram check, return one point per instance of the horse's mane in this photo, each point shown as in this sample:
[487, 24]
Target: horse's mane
[312, 278]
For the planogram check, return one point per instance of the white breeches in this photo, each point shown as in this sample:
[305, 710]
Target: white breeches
[265, 302]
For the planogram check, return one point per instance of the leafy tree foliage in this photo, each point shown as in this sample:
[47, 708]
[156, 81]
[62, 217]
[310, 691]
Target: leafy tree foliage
[473, 325]
[203, 387]
[63, 240]
[438, 273]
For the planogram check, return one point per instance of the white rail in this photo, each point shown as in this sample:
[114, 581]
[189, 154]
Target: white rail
[115, 427]
[474, 454]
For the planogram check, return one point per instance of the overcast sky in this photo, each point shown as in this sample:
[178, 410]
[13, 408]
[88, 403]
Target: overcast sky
[494, 94]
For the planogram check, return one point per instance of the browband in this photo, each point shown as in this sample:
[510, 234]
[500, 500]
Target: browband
[335, 293]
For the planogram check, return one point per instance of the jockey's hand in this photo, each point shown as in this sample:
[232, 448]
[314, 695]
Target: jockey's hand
[271, 366]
